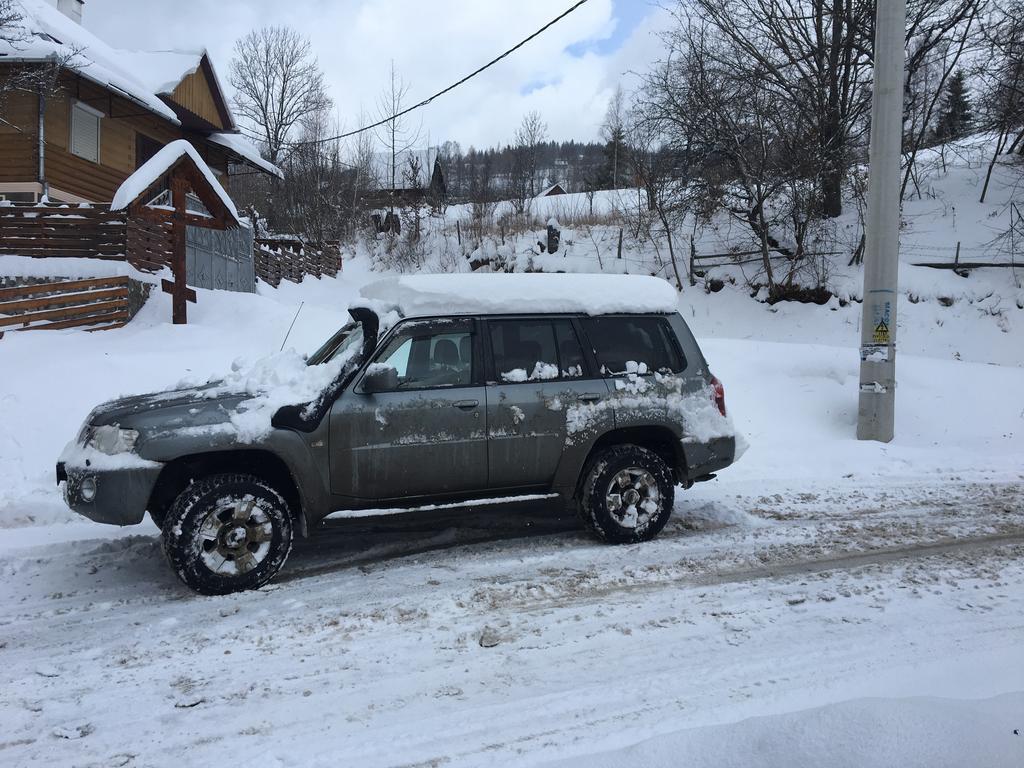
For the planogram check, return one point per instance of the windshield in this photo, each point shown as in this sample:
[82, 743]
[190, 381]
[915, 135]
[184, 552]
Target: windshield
[348, 338]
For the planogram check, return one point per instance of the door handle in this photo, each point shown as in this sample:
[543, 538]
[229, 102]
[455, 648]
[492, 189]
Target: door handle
[466, 404]
[590, 397]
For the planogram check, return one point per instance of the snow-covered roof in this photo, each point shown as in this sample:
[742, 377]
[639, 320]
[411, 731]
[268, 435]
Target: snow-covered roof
[422, 295]
[161, 71]
[157, 166]
[47, 33]
[551, 189]
[244, 148]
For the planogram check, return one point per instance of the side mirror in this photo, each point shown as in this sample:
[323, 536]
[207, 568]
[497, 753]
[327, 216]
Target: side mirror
[380, 378]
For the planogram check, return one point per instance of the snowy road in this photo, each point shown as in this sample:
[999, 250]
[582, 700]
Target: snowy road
[515, 640]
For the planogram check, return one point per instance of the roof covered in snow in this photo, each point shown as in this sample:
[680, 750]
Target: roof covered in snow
[423, 295]
[141, 76]
[46, 33]
[554, 189]
[157, 166]
[244, 148]
[161, 71]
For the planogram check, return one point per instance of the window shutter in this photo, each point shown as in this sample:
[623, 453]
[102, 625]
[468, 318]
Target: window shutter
[85, 134]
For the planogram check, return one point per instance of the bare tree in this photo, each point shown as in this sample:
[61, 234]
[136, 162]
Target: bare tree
[810, 57]
[1002, 103]
[278, 84]
[532, 132]
[814, 57]
[398, 135]
[481, 196]
[941, 34]
[723, 144]
[613, 131]
[37, 78]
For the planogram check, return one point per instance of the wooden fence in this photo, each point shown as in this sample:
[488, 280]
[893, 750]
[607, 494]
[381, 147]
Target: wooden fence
[92, 232]
[292, 260]
[100, 302]
[96, 232]
[62, 231]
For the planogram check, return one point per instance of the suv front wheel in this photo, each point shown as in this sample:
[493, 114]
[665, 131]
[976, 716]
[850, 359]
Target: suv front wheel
[626, 495]
[227, 533]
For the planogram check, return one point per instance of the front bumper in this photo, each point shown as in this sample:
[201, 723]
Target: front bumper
[118, 497]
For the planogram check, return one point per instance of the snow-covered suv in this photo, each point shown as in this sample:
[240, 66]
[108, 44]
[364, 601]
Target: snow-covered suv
[448, 388]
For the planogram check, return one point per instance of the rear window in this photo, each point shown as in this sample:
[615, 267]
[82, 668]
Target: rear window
[646, 341]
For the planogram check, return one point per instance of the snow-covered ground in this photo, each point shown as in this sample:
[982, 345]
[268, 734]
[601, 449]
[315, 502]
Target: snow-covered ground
[823, 602]
[830, 625]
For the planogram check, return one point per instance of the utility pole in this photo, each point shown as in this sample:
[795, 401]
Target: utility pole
[876, 410]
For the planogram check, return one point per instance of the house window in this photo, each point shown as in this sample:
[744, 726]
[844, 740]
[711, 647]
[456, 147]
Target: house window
[145, 148]
[85, 132]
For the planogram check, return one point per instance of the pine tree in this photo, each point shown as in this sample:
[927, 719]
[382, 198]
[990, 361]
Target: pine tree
[957, 114]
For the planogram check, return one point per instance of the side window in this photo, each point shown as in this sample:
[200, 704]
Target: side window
[428, 358]
[633, 344]
[524, 350]
[570, 353]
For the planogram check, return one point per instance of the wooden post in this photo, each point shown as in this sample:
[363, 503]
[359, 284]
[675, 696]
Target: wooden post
[179, 290]
[179, 192]
[620, 243]
[554, 235]
[693, 260]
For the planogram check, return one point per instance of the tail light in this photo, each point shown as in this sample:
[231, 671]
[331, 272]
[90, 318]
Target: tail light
[719, 394]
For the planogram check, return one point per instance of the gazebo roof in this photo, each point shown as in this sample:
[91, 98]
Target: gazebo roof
[205, 184]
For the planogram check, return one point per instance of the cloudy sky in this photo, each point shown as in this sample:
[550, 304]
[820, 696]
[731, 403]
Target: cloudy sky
[568, 74]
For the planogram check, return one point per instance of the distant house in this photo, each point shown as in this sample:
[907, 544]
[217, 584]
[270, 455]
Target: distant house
[554, 189]
[418, 177]
[113, 111]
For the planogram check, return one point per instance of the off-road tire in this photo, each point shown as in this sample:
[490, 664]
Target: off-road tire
[186, 529]
[592, 503]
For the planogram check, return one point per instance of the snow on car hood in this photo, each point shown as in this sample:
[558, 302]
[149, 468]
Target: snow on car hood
[272, 383]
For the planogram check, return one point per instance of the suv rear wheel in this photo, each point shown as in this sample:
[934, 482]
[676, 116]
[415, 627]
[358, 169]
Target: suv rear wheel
[227, 533]
[627, 494]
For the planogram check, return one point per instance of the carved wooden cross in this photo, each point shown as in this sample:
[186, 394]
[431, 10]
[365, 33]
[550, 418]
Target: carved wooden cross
[180, 292]
[183, 177]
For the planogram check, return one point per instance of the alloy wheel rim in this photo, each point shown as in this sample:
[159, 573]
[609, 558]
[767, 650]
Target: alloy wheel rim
[235, 537]
[633, 498]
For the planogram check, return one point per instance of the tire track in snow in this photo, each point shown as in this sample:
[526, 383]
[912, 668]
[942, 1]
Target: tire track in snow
[843, 561]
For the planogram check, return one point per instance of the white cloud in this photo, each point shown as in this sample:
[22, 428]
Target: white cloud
[431, 44]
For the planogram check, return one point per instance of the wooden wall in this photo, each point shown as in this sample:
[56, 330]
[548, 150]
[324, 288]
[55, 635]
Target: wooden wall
[194, 94]
[19, 160]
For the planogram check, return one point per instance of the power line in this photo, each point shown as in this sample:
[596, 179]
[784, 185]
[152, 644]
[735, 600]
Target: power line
[450, 88]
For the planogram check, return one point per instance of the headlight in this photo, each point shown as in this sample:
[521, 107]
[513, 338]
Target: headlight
[111, 439]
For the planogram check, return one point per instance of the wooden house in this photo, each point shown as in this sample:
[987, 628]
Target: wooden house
[111, 111]
[554, 189]
[418, 179]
